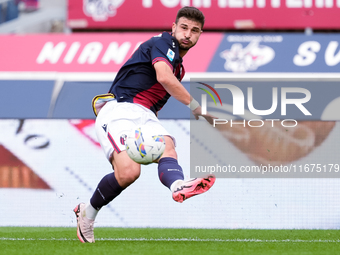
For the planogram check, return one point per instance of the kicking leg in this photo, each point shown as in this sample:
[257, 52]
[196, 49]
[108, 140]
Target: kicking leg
[171, 175]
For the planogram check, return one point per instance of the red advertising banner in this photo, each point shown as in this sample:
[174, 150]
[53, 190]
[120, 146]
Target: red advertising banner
[220, 14]
[95, 52]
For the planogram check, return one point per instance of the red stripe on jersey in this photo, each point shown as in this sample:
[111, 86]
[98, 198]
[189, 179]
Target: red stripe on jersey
[179, 70]
[149, 98]
[183, 72]
[164, 60]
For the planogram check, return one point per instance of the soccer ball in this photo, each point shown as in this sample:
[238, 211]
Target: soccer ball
[144, 147]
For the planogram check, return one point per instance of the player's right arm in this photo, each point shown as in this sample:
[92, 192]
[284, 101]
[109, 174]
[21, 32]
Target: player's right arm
[170, 83]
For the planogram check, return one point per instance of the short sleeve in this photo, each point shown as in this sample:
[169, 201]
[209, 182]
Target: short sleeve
[162, 51]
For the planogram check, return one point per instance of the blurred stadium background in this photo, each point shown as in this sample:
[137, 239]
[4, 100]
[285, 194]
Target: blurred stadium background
[55, 56]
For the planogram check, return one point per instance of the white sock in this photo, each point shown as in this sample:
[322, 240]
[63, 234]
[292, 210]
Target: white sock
[91, 213]
[175, 185]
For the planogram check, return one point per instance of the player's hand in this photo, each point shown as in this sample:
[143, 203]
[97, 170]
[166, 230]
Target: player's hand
[197, 112]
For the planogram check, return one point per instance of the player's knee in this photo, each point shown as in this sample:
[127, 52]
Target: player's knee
[169, 148]
[170, 153]
[127, 176]
[126, 170]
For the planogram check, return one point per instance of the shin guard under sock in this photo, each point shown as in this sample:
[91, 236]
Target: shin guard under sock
[107, 189]
[169, 171]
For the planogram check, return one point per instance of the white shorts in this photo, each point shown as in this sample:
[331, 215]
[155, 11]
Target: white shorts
[115, 120]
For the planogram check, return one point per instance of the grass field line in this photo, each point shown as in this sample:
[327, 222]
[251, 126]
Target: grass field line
[178, 240]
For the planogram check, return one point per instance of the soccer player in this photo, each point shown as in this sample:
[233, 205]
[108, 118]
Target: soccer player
[140, 89]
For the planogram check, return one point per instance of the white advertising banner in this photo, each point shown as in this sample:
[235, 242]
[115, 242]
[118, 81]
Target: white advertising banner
[47, 167]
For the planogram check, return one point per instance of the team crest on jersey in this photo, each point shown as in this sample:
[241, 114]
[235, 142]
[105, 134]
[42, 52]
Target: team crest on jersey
[100, 10]
[123, 139]
[170, 55]
[173, 44]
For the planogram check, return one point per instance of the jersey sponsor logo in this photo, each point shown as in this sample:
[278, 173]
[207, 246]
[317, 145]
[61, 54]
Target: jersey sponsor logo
[249, 58]
[170, 55]
[100, 10]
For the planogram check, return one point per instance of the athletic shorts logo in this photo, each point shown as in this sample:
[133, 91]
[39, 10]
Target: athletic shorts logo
[170, 55]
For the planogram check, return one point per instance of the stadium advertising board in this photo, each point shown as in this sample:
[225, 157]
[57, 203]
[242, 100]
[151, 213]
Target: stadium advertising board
[27, 148]
[90, 52]
[277, 53]
[221, 14]
[215, 52]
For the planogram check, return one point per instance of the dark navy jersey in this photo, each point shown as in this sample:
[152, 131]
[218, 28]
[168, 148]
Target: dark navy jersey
[136, 80]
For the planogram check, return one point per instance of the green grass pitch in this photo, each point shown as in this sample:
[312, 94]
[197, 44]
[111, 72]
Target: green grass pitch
[43, 240]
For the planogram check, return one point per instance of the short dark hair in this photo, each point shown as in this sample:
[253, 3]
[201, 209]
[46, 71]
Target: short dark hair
[191, 13]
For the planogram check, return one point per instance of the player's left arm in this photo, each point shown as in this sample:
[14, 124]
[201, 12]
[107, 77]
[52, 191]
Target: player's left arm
[170, 83]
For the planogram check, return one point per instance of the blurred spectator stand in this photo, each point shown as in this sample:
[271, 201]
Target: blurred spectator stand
[9, 10]
[29, 5]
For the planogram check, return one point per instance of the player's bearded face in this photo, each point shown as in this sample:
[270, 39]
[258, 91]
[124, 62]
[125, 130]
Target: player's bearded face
[186, 32]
